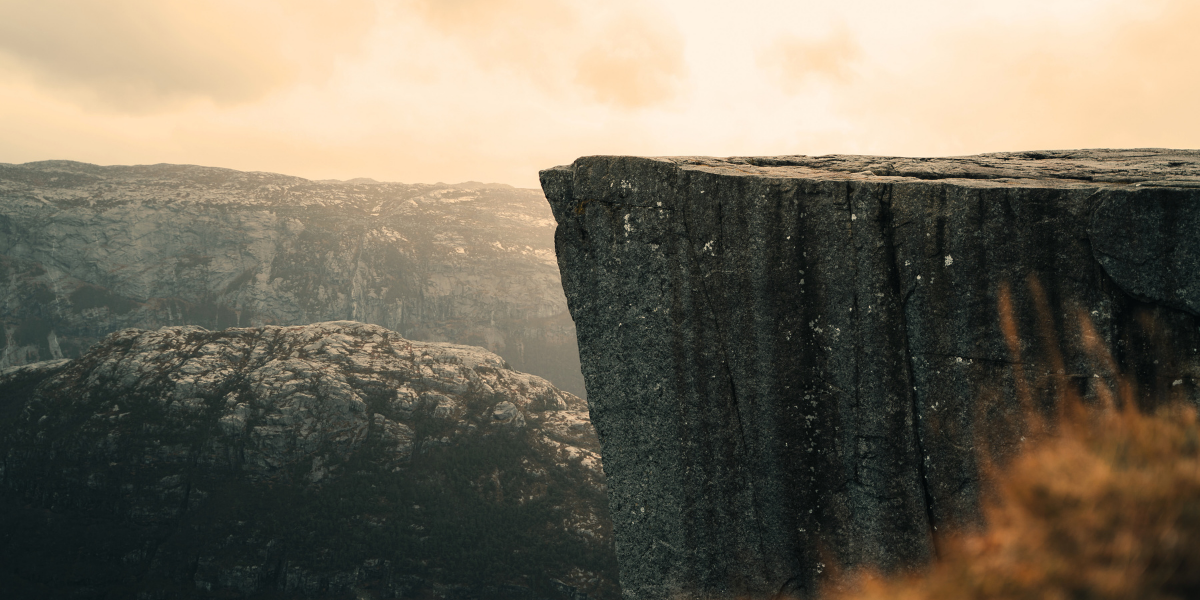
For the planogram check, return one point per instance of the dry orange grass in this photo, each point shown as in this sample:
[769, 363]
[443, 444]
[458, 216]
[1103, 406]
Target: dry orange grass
[1104, 504]
[1107, 508]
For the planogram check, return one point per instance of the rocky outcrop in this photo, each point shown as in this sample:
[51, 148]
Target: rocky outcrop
[793, 361]
[331, 460]
[87, 250]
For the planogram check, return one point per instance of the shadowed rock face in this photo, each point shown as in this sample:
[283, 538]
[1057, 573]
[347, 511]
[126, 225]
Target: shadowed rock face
[327, 461]
[796, 359]
[87, 250]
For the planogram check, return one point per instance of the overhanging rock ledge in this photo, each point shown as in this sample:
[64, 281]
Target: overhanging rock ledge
[797, 359]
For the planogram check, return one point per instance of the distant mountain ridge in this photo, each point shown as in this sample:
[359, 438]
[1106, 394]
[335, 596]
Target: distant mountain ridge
[86, 250]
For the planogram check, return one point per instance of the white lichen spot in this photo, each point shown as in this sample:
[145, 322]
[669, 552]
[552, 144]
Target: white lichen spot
[949, 260]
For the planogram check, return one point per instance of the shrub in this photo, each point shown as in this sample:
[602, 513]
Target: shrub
[1103, 503]
[1107, 508]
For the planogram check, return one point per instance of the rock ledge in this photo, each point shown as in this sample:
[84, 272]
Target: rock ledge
[793, 355]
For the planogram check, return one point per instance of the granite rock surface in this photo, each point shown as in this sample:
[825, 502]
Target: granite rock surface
[797, 360]
[330, 460]
[88, 250]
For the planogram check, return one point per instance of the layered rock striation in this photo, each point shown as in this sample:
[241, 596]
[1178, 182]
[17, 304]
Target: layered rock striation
[793, 361]
[88, 250]
[325, 461]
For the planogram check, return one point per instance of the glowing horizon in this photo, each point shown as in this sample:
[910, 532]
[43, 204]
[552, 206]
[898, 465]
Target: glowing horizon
[494, 90]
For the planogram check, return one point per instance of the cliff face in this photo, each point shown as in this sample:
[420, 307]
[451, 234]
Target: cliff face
[330, 460]
[88, 250]
[797, 359]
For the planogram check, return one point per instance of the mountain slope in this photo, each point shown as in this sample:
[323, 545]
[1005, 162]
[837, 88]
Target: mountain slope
[330, 460]
[88, 250]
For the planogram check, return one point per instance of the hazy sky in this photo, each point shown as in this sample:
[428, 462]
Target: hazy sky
[493, 90]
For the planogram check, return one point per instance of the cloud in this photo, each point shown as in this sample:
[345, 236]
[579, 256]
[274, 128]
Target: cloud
[498, 16]
[631, 64]
[1123, 78]
[620, 53]
[147, 55]
[795, 61]
[426, 90]
[513, 33]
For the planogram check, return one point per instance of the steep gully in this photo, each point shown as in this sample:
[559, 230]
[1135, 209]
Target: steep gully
[796, 359]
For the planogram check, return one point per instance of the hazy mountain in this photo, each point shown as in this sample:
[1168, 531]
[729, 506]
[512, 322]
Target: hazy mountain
[88, 250]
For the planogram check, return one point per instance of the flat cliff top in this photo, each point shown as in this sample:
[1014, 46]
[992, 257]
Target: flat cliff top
[1053, 168]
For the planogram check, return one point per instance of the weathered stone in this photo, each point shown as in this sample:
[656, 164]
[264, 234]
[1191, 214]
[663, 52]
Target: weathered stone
[88, 250]
[793, 360]
[297, 460]
[507, 413]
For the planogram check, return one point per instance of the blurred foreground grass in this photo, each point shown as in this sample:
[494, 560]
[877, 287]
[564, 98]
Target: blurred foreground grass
[1107, 507]
[1102, 504]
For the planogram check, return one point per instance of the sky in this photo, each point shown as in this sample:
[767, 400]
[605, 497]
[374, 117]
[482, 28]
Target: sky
[494, 90]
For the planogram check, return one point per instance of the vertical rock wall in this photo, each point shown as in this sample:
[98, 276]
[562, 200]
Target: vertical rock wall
[796, 360]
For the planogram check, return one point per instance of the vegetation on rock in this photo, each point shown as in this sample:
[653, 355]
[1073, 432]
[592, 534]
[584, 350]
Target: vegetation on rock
[330, 460]
[1101, 503]
[1106, 508]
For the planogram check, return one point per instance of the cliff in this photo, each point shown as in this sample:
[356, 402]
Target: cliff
[88, 250]
[798, 360]
[325, 461]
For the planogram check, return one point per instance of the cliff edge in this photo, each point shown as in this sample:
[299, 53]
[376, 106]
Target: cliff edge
[794, 360]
